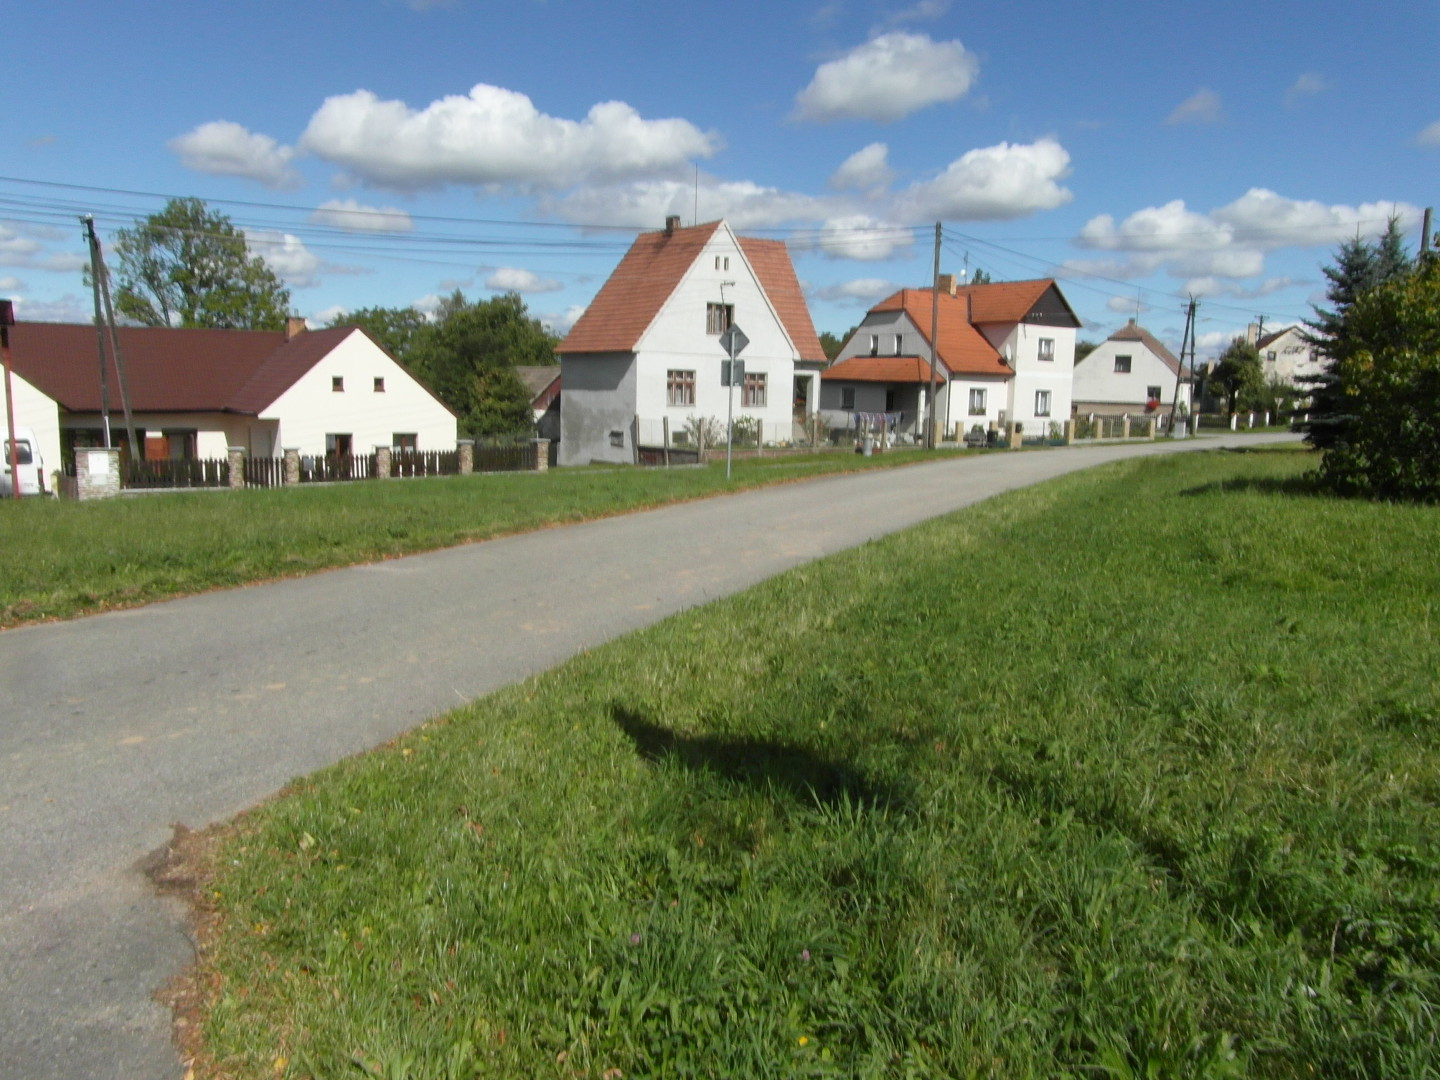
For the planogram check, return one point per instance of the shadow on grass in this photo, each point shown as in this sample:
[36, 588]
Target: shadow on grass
[763, 764]
[1306, 485]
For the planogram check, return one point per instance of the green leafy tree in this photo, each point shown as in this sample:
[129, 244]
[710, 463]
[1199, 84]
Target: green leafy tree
[468, 358]
[831, 344]
[1084, 349]
[188, 266]
[394, 329]
[1388, 372]
[980, 277]
[1238, 374]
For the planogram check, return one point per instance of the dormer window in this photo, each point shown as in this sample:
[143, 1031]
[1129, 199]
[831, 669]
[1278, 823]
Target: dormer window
[874, 344]
[337, 384]
[899, 344]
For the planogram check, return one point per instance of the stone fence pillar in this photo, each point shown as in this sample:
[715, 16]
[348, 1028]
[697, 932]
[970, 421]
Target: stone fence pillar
[292, 465]
[467, 456]
[1125, 426]
[1150, 428]
[97, 473]
[236, 454]
[542, 454]
[1070, 432]
[382, 462]
[1015, 435]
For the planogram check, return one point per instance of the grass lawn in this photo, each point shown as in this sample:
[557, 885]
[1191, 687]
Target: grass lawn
[1133, 774]
[65, 558]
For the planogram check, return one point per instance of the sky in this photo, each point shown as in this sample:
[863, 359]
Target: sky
[388, 152]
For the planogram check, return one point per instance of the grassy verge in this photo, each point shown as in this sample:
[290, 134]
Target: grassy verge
[1136, 773]
[64, 559]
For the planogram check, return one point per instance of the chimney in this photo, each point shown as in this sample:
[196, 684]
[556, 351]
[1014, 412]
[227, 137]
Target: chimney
[671, 224]
[1132, 320]
[947, 283]
[1252, 333]
[294, 326]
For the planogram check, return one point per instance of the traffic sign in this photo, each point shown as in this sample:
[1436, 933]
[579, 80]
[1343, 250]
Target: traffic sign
[733, 341]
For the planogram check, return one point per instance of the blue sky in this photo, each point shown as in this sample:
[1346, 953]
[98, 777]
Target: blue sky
[385, 152]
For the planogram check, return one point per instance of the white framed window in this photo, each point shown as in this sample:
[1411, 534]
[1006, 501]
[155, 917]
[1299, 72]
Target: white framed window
[679, 387]
[977, 402]
[753, 393]
[1152, 393]
[718, 318]
[1042, 402]
[1122, 365]
[337, 384]
[379, 384]
[1047, 348]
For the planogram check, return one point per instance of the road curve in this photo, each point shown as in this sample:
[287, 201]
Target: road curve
[115, 726]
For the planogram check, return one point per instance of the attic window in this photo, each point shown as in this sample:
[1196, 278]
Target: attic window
[379, 384]
[719, 317]
[722, 262]
[874, 344]
[337, 383]
[899, 343]
[1122, 365]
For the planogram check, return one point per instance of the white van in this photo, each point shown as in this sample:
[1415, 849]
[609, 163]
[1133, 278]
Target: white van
[30, 465]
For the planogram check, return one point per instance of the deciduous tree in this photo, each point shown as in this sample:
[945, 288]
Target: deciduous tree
[1238, 373]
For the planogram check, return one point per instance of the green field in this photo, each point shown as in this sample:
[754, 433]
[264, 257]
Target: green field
[1133, 774]
[65, 558]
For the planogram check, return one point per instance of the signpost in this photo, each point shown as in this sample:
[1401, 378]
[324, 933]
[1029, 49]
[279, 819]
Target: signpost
[732, 371]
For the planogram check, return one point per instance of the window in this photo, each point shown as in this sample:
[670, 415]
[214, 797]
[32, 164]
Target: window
[1042, 402]
[1270, 356]
[899, 343]
[874, 344]
[1122, 365]
[1047, 348]
[405, 440]
[847, 397]
[1152, 393]
[722, 262]
[752, 396]
[337, 384]
[617, 438]
[718, 317]
[338, 445]
[890, 401]
[977, 402]
[379, 384]
[679, 387]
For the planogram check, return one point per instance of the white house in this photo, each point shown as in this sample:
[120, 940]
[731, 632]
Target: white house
[1004, 352]
[648, 348]
[194, 393]
[1288, 355]
[1132, 372]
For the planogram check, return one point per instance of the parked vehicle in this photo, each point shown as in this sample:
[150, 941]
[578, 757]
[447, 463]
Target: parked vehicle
[29, 464]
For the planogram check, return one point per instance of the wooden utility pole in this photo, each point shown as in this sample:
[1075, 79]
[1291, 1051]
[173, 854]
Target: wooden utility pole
[1425, 234]
[100, 343]
[102, 279]
[1187, 338]
[930, 440]
[12, 453]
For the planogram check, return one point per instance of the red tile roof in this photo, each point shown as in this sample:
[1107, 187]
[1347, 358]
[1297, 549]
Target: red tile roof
[771, 263]
[961, 348]
[1131, 332]
[168, 370]
[1004, 301]
[882, 369]
[632, 296]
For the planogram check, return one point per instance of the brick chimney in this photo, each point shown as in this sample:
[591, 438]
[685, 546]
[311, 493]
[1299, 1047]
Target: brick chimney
[671, 224]
[294, 326]
[947, 283]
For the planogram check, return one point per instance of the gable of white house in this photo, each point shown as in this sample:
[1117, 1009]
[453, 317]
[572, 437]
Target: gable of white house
[1043, 357]
[357, 390]
[1290, 358]
[36, 410]
[1101, 387]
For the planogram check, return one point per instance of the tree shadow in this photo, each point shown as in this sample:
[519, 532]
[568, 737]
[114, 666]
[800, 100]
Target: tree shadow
[764, 764]
[1304, 486]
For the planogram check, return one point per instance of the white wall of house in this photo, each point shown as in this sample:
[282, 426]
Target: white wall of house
[38, 412]
[312, 408]
[996, 399]
[1021, 345]
[1290, 357]
[1100, 387]
[597, 407]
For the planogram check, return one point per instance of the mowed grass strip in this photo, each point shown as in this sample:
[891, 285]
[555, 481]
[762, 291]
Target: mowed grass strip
[1136, 773]
[64, 558]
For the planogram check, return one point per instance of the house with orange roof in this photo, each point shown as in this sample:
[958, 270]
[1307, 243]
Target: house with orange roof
[1286, 355]
[1004, 352]
[1131, 372]
[646, 354]
[194, 393]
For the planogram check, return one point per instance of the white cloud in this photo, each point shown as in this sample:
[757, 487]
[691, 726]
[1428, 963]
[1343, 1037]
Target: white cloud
[560, 324]
[325, 316]
[224, 148]
[994, 183]
[285, 254]
[861, 237]
[11, 284]
[428, 305]
[1201, 107]
[865, 170]
[861, 291]
[19, 247]
[352, 216]
[496, 136]
[511, 279]
[1126, 305]
[1268, 220]
[1305, 86]
[645, 204]
[68, 309]
[888, 78]
[1428, 135]
[923, 11]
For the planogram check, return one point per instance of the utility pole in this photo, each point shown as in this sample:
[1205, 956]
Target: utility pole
[100, 342]
[1425, 234]
[1187, 338]
[930, 440]
[102, 278]
[1259, 328]
[12, 453]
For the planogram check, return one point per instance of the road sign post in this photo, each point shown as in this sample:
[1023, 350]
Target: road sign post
[731, 371]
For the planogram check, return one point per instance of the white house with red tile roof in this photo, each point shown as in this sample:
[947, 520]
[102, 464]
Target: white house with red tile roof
[1131, 372]
[1004, 352]
[648, 346]
[194, 393]
[1288, 355]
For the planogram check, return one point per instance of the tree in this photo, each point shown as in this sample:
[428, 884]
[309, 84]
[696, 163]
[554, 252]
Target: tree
[980, 277]
[1388, 372]
[831, 344]
[1084, 349]
[1238, 373]
[189, 266]
[394, 329]
[468, 358]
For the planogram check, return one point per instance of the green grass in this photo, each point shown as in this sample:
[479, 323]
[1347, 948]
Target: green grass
[64, 559]
[1136, 773]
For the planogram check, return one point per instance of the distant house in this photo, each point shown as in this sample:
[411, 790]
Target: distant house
[1131, 372]
[1004, 352]
[543, 383]
[194, 393]
[648, 348]
[1288, 355]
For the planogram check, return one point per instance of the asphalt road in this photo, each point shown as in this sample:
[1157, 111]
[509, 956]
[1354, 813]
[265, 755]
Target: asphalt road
[113, 727]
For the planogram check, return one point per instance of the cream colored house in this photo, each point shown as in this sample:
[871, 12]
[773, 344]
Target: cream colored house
[1131, 372]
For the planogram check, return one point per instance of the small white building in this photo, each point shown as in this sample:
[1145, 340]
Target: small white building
[195, 393]
[1130, 372]
[648, 351]
[1005, 352]
[1289, 356]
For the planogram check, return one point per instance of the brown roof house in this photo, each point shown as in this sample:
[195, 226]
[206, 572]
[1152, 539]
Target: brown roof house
[1131, 372]
[1003, 351]
[194, 393]
[648, 348]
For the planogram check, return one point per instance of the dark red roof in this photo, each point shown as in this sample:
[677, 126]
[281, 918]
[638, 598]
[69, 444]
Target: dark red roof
[168, 370]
